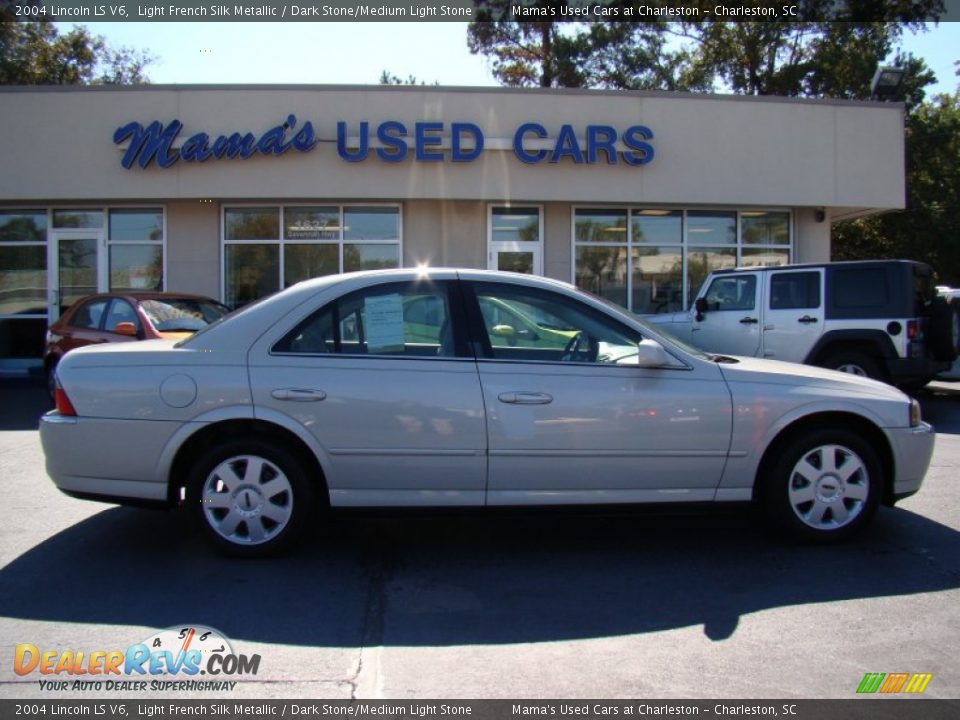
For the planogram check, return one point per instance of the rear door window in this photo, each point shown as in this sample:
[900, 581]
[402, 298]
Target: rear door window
[795, 290]
[89, 315]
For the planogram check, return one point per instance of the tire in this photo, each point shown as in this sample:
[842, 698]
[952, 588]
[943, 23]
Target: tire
[825, 486]
[942, 330]
[855, 363]
[252, 497]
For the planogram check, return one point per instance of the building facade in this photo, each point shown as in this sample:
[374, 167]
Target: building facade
[238, 191]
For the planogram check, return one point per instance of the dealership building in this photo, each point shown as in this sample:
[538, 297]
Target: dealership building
[237, 191]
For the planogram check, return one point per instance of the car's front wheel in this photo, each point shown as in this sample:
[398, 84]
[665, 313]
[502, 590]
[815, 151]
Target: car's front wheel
[824, 486]
[252, 497]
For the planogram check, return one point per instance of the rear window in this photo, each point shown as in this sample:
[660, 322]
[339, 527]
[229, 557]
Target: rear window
[860, 288]
[182, 314]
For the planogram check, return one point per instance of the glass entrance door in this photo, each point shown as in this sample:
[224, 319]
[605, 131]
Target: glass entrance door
[515, 239]
[515, 258]
[75, 268]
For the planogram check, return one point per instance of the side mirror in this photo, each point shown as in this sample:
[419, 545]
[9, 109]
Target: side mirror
[503, 331]
[701, 307]
[125, 328]
[650, 353]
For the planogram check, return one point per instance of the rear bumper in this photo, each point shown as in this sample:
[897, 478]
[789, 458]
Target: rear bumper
[104, 459]
[914, 369]
[912, 451]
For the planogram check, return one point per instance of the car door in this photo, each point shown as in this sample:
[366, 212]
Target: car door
[731, 322]
[583, 423]
[382, 379]
[793, 317]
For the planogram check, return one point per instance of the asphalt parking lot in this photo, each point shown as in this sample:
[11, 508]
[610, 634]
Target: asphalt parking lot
[525, 606]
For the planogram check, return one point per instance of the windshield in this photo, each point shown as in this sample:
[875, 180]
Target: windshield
[182, 314]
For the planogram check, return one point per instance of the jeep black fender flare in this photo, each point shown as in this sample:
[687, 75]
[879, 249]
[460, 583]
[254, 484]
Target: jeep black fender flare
[878, 341]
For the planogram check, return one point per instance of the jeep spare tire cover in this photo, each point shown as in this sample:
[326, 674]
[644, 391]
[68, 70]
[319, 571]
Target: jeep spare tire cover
[940, 330]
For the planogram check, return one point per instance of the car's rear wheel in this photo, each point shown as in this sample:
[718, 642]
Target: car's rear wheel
[854, 363]
[824, 486]
[252, 497]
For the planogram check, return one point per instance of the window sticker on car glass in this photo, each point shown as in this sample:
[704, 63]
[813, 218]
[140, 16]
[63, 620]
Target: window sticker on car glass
[383, 323]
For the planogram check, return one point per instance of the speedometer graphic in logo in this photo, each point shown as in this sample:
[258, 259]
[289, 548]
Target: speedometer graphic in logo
[180, 640]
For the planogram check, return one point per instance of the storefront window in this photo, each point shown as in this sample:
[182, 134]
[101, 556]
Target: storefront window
[136, 267]
[606, 226]
[136, 225]
[77, 219]
[251, 271]
[23, 279]
[302, 261]
[603, 271]
[711, 227]
[311, 223]
[515, 224]
[23, 226]
[765, 228]
[657, 261]
[252, 223]
[135, 248]
[361, 223]
[370, 257]
[317, 240]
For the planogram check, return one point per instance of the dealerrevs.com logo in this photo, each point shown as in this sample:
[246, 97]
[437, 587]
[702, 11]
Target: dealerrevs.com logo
[172, 659]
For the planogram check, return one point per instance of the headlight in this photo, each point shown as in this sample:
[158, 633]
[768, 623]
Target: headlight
[914, 413]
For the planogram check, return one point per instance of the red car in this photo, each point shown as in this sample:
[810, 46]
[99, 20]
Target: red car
[121, 317]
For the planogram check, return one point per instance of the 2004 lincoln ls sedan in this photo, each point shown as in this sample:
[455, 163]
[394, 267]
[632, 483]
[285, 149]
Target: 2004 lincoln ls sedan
[466, 388]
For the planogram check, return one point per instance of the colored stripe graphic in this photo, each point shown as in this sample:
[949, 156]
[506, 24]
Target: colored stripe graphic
[918, 683]
[894, 683]
[871, 682]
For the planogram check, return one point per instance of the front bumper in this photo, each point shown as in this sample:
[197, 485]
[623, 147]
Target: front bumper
[912, 450]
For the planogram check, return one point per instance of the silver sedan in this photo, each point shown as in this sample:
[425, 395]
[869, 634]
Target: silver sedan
[464, 388]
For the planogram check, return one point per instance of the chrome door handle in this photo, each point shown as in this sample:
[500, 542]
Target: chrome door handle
[298, 394]
[525, 398]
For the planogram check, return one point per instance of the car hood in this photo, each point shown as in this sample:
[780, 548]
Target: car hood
[776, 372]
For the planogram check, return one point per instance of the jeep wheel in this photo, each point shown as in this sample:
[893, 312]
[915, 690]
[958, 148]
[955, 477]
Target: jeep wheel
[824, 487]
[855, 363]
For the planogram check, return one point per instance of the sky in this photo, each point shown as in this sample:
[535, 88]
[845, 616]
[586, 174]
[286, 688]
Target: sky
[357, 53]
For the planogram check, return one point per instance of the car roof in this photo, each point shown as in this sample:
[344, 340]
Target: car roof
[810, 266]
[137, 295]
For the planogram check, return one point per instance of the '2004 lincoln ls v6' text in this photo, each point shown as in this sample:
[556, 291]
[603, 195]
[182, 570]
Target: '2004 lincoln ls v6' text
[466, 388]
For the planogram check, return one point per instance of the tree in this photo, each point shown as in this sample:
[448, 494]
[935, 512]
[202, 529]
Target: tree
[806, 59]
[36, 53]
[388, 78]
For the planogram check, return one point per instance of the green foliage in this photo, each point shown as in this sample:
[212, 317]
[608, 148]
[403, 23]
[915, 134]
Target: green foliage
[36, 53]
[388, 78]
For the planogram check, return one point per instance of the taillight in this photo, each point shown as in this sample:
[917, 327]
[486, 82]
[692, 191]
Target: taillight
[63, 404]
[912, 330]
